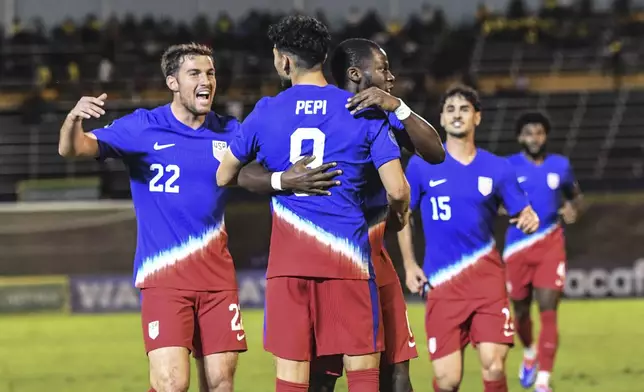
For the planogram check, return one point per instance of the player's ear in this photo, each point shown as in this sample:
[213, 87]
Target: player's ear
[354, 75]
[172, 83]
[477, 118]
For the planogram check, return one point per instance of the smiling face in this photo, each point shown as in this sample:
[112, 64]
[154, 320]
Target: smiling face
[458, 116]
[194, 83]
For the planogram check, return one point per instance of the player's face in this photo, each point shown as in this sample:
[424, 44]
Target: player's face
[533, 138]
[377, 73]
[196, 84]
[458, 117]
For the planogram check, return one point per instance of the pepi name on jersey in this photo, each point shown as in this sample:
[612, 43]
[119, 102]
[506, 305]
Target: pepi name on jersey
[311, 107]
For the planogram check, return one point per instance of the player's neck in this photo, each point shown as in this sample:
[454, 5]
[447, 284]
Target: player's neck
[314, 78]
[186, 117]
[537, 160]
[462, 150]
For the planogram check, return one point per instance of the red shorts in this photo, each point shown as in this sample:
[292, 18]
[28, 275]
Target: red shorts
[305, 317]
[452, 324]
[542, 265]
[400, 345]
[204, 322]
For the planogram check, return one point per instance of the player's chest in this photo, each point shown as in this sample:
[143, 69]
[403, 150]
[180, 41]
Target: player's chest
[191, 154]
[468, 187]
[542, 179]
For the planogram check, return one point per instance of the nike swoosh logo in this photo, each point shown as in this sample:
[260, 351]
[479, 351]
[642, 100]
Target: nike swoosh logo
[508, 334]
[158, 146]
[411, 344]
[522, 179]
[241, 336]
[433, 183]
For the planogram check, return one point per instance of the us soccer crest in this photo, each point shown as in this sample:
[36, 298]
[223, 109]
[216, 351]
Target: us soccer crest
[153, 329]
[553, 180]
[219, 149]
[485, 185]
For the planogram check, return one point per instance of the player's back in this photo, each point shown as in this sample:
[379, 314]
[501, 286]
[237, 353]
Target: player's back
[543, 183]
[181, 238]
[458, 204]
[328, 235]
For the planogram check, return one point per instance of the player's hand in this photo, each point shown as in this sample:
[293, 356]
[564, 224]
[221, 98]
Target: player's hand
[88, 107]
[569, 213]
[373, 96]
[299, 178]
[414, 277]
[527, 221]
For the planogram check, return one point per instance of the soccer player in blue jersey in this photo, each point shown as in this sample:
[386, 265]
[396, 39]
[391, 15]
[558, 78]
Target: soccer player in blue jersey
[361, 66]
[537, 262]
[182, 264]
[459, 200]
[321, 297]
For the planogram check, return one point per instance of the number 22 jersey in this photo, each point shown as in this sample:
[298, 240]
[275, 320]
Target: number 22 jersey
[318, 236]
[181, 236]
[458, 205]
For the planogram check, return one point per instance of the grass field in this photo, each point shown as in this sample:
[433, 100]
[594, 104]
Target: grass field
[601, 350]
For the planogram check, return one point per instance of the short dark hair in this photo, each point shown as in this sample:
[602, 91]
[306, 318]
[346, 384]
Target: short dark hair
[353, 52]
[175, 55]
[532, 117]
[466, 92]
[305, 37]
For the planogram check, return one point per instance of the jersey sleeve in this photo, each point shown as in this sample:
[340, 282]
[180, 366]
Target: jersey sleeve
[412, 172]
[245, 145]
[119, 138]
[513, 197]
[383, 146]
[396, 125]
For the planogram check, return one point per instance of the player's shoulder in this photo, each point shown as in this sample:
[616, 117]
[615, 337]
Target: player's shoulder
[515, 159]
[489, 157]
[558, 160]
[222, 123]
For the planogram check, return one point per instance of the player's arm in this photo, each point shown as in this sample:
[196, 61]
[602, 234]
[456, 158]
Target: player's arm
[415, 277]
[418, 137]
[73, 140]
[395, 184]
[298, 178]
[515, 200]
[228, 170]
[573, 205]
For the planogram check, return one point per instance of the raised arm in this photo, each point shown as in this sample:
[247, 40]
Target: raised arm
[419, 136]
[74, 141]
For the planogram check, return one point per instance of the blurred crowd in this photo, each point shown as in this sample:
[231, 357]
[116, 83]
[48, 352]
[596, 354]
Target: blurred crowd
[122, 54]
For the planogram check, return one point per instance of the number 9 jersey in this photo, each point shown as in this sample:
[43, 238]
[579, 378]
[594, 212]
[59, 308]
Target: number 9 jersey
[181, 237]
[318, 236]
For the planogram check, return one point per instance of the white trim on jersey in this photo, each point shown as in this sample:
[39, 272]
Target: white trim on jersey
[169, 257]
[448, 273]
[527, 242]
[336, 244]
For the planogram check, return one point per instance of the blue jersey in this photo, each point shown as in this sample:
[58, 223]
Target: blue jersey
[318, 236]
[545, 184]
[458, 205]
[181, 238]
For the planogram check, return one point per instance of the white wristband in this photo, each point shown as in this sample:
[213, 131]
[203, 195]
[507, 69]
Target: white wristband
[403, 111]
[276, 181]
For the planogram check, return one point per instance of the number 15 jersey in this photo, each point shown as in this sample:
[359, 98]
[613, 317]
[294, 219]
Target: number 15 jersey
[181, 237]
[318, 236]
[458, 205]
